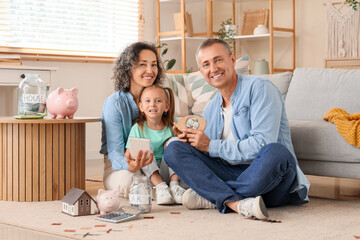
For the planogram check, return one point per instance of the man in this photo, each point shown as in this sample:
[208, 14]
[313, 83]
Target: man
[244, 160]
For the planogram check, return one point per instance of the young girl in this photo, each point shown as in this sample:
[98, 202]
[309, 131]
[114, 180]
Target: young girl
[156, 105]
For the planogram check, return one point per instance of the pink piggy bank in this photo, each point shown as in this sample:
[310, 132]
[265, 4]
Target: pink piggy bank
[108, 200]
[62, 103]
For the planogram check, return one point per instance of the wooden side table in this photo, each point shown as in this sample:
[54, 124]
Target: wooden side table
[41, 159]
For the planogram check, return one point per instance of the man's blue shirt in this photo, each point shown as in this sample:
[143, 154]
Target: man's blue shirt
[259, 118]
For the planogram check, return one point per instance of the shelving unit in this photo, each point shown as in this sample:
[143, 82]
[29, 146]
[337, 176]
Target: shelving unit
[274, 32]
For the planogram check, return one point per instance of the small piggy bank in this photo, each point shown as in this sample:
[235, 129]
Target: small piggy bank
[108, 200]
[62, 103]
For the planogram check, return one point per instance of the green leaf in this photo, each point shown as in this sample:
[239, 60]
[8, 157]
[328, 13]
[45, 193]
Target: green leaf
[164, 52]
[170, 64]
[161, 45]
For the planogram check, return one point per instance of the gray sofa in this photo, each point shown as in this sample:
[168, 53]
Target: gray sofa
[309, 93]
[319, 147]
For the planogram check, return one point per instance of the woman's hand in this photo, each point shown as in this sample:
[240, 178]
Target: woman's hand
[139, 161]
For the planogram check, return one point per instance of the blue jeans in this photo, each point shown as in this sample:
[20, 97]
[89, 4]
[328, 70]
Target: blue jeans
[271, 174]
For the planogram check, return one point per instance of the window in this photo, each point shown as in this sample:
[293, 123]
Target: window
[66, 27]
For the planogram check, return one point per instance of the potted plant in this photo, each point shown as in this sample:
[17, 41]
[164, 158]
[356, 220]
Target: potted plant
[227, 32]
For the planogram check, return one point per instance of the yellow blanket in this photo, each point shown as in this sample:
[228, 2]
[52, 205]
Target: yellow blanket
[348, 125]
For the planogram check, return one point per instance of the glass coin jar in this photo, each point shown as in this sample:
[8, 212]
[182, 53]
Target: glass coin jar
[32, 93]
[141, 193]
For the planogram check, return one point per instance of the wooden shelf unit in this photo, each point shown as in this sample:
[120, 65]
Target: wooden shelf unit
[274, 32]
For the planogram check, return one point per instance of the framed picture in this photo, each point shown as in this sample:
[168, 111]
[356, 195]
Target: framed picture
[252, 18]
[192, 122]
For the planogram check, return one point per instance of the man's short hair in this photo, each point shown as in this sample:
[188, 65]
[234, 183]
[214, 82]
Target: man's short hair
[211, 41]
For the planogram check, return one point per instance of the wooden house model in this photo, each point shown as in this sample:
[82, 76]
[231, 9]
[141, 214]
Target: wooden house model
[78, 202]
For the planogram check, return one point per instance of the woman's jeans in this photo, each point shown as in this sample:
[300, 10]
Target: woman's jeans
[271, 174]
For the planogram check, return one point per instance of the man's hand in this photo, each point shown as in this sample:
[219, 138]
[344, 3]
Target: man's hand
[139, 161]
[197, 139]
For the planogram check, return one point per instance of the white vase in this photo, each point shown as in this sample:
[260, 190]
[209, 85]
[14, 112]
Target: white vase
[261, 67]
[261, 29]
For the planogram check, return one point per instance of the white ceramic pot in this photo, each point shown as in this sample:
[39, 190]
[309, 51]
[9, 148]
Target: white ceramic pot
[261, 67]
[261, 29]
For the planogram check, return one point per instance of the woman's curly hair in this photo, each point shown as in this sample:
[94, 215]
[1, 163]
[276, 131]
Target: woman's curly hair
[127, 61]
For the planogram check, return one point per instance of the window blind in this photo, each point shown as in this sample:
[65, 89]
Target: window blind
[81, 27]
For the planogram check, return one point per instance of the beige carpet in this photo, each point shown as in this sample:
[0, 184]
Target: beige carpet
[319, 219]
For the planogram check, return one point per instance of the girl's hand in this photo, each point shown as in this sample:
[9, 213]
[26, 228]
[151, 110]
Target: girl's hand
[197, 139]
[140, 160]
[180, 134]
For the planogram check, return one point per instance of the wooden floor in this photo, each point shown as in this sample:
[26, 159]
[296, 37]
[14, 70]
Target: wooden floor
[336, 188]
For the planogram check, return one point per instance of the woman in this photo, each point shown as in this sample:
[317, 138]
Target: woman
[137, 67]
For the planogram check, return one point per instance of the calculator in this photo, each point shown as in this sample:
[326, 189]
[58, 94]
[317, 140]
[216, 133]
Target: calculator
[123, 214]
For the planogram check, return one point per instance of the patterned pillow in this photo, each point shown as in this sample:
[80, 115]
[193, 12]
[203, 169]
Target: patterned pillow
[202, 92]
[180, 86]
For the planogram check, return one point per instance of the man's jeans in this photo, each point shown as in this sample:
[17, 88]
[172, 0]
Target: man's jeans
[271, 174]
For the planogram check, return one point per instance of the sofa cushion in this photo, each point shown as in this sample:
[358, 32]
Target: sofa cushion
[321, 141]
[314, 91]
[330, 169]
[242, 65]
[180, 86]
[281, 81]
[202, 92]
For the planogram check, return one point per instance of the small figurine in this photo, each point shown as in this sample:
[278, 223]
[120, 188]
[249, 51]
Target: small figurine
[62, 103]
[192, 122]
[108, 200]
[78, 202]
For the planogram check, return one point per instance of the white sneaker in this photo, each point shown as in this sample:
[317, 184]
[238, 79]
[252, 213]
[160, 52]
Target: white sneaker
[192, 200]
[253, 207]
[177, 193]
[163, 195]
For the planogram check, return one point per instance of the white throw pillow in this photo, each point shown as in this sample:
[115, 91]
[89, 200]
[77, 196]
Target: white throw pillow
[281, 81]
[202, 92]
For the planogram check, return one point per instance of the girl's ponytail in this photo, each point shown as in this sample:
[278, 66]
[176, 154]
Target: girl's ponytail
[169, 117]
